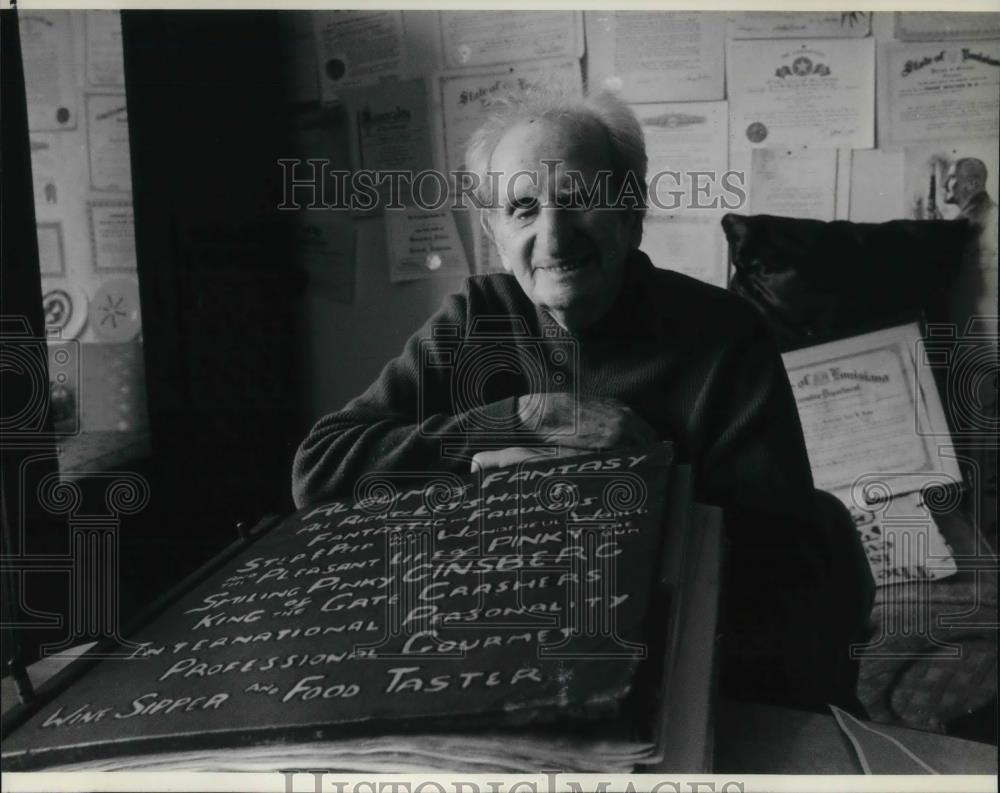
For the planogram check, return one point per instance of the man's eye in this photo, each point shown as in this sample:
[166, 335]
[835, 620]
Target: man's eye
[572, 200]
[522, 207]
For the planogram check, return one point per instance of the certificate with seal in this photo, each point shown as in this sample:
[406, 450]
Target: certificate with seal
[938, 91]
[872, 417]
[811, 92]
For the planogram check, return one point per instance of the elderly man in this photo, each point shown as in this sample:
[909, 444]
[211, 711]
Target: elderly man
[659, 356]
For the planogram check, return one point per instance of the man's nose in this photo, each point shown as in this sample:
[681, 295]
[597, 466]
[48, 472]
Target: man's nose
[555, 231]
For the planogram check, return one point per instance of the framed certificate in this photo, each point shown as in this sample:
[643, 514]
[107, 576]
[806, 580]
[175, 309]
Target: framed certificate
[873, 421]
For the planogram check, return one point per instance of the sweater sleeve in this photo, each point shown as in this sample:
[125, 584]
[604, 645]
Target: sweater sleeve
[757, 458]
[402, 421]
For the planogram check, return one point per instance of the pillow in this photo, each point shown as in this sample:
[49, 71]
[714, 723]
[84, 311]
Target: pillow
[816, 281]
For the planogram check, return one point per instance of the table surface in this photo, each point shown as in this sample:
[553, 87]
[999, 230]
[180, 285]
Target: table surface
[750, 738]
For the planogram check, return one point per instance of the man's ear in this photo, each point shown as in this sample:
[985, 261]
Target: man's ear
[484, 223]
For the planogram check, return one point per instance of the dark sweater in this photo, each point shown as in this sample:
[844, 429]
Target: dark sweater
[700, 366]
[693, 360]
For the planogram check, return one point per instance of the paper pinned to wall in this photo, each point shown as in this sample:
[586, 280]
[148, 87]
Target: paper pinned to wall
[943, 26]
[794, 182]
[423, 243]
[902, 541]
[355, 48]
[799, 24]
[390, 128]
[49, 71]
[464, 98]
[815, 92]
[657, 56]
[112, 234]
[51, 253]
[108, 142]
[323, 242]
[690, 244]
[684, 139]
[488, 38]
[876, 186]
[103, 49]
[934, 91]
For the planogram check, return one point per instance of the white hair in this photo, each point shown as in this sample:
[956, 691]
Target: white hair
[626, 141]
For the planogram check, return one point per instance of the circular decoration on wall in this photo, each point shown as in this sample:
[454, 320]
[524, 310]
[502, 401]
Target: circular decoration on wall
[65, 310]
[756, 132]
[115, 306]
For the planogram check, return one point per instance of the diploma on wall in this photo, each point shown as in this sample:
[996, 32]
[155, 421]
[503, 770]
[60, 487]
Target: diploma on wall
[464, 98]
[872, 417]
[49, 71]
[488, 38]
[799, 24]
[691, 244]
[938, 91]
[112, 234]
[108, 142]
[943, 26]
[657, 56]
[797, 182]
[814, 92]
[357, 48]
[105, 62]
[684, 139]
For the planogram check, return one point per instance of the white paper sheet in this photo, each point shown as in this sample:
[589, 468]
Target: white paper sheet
[112, 234]
[797, 182]
[683, 141]
[108, 142]
[934, 91]
[944, 26]
[657, 56]
[815, 92]
[464, 98]
[902, 541]
[423, 244]
[690, 244]
[876, 186]
[488, 38]
[105, 62]
[49, 70]
[872, 418]
[799, 24]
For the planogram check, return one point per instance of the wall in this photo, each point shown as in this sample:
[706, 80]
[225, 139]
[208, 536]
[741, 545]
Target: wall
[348, 343]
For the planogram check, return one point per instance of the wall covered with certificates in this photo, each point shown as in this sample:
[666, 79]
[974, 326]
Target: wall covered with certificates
[81, 174]
[827, 115]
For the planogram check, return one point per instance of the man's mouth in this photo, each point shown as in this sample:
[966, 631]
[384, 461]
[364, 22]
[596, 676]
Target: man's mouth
[564, 265]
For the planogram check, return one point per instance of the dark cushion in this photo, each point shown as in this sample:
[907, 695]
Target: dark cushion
[816, 281]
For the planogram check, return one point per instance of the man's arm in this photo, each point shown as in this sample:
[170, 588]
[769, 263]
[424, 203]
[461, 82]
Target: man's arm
[757, 456]
[392, 426]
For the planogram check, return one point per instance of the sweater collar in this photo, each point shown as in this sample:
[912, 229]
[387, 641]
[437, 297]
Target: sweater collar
[633, 314]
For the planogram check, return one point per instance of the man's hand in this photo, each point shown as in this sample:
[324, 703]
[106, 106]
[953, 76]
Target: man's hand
[584, 423]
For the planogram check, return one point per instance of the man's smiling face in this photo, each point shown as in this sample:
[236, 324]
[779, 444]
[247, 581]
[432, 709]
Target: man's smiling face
[568, 253]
